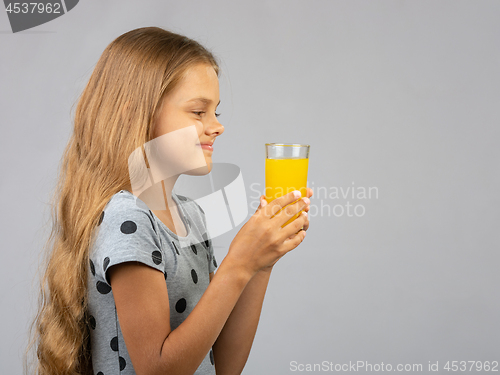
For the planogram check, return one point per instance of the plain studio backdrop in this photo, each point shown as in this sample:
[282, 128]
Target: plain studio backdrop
[401, 97]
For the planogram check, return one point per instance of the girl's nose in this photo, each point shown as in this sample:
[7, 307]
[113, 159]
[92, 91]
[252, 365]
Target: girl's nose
[216, 128]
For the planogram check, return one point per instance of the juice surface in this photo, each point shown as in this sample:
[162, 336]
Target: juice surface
[284, 176]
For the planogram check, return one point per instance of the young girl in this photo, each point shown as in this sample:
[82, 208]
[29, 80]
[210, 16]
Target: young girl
[130, 285]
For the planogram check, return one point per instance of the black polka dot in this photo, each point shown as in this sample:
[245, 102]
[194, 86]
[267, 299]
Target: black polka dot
[156, 257]
[128, 227]
[92, 322]
[92, 268]
[205, 238]
[215, 263]
[194, 276]
[123, 363]
[100, 373]
[194, 249]
[101, 218]
[103, 288]
[212, 357]
[165, 273]
[105, 264]
[176, 250]
[114, 344]
[180, 306]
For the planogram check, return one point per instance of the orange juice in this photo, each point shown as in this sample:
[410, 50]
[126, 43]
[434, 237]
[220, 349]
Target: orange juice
[284, 176]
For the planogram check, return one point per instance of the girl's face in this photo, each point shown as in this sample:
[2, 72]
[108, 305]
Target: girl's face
[186, 121]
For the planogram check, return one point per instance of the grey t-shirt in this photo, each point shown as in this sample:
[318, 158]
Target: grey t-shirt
[129, 231]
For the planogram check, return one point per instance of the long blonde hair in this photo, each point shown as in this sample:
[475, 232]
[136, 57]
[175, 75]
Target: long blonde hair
[114, 116]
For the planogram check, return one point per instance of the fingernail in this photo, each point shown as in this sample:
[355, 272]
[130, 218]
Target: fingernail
[297, 194]
[304, 213]
[306, 200]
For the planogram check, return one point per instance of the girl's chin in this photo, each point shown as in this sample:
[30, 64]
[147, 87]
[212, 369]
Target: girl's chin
[206, 169]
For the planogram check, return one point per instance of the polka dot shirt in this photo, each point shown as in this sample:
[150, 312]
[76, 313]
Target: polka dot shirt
[129, 231]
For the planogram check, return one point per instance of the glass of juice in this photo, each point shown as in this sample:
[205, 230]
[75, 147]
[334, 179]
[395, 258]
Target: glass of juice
[286, 170]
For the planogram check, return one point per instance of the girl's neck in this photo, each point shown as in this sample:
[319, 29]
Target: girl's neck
[159, 196]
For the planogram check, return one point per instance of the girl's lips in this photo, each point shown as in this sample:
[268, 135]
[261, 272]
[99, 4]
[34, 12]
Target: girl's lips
[206, 147]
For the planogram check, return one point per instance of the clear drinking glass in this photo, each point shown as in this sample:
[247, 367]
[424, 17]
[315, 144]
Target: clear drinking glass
[286, 170]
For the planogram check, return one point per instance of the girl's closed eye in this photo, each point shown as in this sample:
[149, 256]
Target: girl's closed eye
[199, 113]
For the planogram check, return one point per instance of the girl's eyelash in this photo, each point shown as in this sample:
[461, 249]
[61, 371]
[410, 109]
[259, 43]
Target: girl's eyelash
[198, 113]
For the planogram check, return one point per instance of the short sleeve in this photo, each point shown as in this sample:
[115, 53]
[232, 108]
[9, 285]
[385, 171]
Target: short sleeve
[126, 233]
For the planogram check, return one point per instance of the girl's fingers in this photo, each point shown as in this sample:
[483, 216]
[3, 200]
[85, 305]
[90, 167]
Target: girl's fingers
[306, 224]
[277, 204]
[263, 201]
[289, 211]
[295, 226]
[295, 234]
[294, 241]
[309, 192]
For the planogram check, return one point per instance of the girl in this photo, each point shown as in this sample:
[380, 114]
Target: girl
[130, 286]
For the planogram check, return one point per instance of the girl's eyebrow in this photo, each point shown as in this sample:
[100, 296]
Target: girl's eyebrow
[202, 100]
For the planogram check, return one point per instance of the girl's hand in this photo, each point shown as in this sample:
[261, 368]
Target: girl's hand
[309, 194]
[261, 242]
[263, 203]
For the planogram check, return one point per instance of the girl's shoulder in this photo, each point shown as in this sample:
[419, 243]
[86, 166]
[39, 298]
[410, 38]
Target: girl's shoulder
[124, 209]
[124, 214]
[125, 201]
[126, 232]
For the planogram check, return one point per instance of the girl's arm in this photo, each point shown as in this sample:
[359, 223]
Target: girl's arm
[233, 345]
[142, 304]
[232, 348]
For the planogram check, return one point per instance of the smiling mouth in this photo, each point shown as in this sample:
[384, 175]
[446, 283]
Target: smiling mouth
[206, 147]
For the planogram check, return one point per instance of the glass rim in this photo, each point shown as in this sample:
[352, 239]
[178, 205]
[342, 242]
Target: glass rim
[288, 144]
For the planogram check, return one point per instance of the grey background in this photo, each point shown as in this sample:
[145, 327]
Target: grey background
[399, 95]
